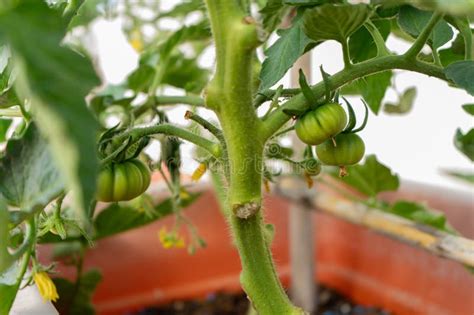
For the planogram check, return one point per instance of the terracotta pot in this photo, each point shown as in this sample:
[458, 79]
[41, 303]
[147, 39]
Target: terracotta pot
[371, 269]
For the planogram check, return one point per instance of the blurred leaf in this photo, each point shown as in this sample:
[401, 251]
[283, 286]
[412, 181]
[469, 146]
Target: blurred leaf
[118, 218]
[29, 178]
[186, 74]
[405, 102]
[9, 287]
[462, 73]
[465, 143]
[283, 53]
[184, 8]
[272, 14]
[371, 178]
[76, 298]
[56, 80]
[8, 98]
[4, 125]
[89, 11]
[420, 214]
[469, 108]
[464, 176]
[334, 21]
[361, 44]
[413, 21]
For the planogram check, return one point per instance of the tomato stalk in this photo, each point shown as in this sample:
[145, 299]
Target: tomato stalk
[229, 94]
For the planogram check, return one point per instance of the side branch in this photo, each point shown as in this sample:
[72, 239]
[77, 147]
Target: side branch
[170, 130]
[278, 118]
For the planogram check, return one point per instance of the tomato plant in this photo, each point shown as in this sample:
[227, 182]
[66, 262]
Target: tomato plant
[67, 132]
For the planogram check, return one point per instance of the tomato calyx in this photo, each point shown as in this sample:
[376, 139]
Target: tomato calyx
[352, 118]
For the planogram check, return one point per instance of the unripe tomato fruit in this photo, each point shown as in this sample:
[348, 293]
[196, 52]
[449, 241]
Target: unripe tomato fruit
[323, 123]
[349, 150]
[123, 181]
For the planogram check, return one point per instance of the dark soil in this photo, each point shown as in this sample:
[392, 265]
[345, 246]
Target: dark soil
[330, 303]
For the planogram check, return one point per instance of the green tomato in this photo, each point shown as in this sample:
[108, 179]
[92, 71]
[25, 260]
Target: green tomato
[349, 150]
[323, 123]
[123, 181]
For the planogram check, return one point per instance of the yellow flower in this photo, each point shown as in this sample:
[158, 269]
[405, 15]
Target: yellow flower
[46, 286]
[171, 239]
[136, 41]
[199, 172]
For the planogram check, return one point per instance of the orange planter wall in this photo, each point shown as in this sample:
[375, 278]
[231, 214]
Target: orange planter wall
[370, 268]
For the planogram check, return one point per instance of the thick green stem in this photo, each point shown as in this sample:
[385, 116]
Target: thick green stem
[229, 94]
[423, 37]
[137, 133]
[278, 118]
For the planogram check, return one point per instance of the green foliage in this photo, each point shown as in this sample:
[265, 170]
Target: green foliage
[465, 143]
[291, 44]
[8, 287]
[469, 108]
[461, 73]
[405, 102]
[464, 176]
[413, 21]
[4, 125]
[371, 178]
[455, 52]
[118, 218]
[336, 22]
[362, 45]
[75, 298]
[29, 178]
[53, 76]
[420, 214]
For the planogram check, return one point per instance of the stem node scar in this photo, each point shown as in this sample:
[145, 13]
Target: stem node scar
[246, 210]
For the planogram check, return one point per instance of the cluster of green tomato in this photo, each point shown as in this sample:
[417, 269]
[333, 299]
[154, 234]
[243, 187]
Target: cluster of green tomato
[336, 142]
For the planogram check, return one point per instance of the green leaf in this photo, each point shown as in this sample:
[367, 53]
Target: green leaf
[283, 53]
[56, 80]
[455, 52]
[371, 178]
[77, 299]
[373, 88]
[4, 125]
[305, 2]
[405, 102]
[469, 108]
[8, 287]
[183, 9]
[118, 218]
[462, 25]
[334, 21]
[465, 143]
[90, 10]
[420, 214]
[462, 73]
[272, 14]
[186, 74]
[29, 178]
[464, 176]
[413, 21]
[361, 44]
